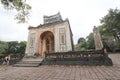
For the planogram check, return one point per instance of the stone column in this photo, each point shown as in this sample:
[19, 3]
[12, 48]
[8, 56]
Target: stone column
[97, 39]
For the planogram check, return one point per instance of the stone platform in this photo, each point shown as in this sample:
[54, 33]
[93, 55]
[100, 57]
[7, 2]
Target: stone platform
[61, 72]
[91, 58]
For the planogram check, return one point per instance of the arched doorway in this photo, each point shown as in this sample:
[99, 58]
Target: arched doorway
[47, 42]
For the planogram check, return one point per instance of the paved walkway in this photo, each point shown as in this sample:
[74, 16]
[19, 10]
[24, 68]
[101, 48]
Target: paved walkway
[56, 72]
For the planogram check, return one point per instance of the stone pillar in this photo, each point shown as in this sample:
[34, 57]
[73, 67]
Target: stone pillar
[97, 39]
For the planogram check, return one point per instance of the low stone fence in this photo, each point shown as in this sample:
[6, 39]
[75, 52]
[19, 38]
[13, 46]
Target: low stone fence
[78, 57]
[74, 54]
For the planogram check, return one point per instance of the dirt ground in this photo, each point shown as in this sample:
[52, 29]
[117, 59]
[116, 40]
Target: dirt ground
[56, 72]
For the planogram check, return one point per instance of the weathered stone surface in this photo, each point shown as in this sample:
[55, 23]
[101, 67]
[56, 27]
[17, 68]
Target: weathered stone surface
[78, 58]
[97, 39]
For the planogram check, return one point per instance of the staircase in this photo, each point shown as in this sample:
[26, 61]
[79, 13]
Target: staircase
[29, 61]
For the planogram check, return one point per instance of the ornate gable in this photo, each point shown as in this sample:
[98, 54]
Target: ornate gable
[54, 18]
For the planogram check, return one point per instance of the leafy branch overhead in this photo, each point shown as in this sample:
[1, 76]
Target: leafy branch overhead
[23, 9]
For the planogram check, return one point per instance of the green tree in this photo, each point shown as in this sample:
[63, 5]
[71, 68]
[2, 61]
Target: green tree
[3, 48]
[90, 41]
[81, 40]
[22, 47]
[111, 23]
[86, 44]
[12, 47]
[81, 45]
[107, 39]
[23, 9]
[110, 29]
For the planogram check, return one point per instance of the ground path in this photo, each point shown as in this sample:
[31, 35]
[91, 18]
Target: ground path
[55, 72]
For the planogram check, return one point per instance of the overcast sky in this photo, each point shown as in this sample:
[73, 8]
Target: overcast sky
[82, 14]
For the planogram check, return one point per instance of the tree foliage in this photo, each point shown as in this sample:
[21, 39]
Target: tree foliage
[81, 40]
[12, 47]
[3, 48]
[86, 44]
[21, 47]
[90, 41]
[81, 45]
[110, 30]
[111, 23]
[22, 8]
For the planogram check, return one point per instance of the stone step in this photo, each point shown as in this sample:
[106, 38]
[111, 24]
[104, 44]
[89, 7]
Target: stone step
[29, 62]
[26, 65]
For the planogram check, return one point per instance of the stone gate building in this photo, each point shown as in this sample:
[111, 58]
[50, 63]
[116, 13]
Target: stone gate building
[54, 35]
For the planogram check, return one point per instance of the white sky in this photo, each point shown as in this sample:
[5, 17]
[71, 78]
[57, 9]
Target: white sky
[82, 14]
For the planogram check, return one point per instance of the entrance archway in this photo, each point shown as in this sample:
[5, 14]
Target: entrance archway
[47, 42]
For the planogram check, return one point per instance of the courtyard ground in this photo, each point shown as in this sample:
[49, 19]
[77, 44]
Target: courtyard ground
[56, 72]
